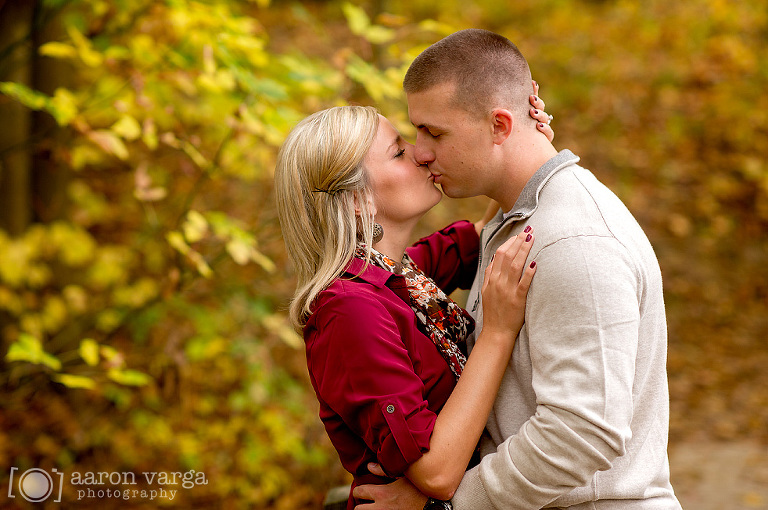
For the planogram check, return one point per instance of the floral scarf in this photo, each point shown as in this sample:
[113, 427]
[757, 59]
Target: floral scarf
[442, 320]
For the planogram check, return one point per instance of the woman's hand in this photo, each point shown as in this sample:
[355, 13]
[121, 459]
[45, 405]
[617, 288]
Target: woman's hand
[538, 113]
[505, 287]
[462, 420]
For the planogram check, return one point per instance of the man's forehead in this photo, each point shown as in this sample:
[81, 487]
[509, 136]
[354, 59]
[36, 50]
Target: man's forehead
[428, 107]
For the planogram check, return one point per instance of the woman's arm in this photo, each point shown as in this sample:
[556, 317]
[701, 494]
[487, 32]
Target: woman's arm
[462, 420]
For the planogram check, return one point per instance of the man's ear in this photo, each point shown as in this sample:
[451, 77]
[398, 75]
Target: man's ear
[502, 123]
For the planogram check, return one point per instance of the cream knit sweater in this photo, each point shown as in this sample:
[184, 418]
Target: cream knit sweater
[581, 419]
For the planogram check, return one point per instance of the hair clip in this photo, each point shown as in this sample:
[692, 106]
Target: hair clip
[330, 192]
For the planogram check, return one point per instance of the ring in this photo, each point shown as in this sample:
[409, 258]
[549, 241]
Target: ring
[549, 120]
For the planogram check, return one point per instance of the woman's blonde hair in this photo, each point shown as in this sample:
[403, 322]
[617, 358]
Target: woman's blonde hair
[319, 174]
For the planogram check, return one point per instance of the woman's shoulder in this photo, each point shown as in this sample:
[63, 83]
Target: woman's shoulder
[344, 296]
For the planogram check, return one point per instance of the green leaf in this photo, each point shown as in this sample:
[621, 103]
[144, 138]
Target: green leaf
[128, 377]
[379, 85]
[75, 381]
[24, 95]
[30, 349]
[89, 351]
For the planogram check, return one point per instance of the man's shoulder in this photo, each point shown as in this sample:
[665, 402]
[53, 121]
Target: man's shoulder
[575, 196]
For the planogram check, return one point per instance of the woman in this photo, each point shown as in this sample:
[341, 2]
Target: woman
[382, 336]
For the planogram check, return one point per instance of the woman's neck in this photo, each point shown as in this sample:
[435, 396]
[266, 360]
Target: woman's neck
[397, 237]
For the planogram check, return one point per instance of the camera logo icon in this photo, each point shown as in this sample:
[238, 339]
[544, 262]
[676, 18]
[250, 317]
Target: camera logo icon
[36, 485]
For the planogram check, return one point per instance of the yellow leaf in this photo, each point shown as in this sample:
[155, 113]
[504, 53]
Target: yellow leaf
[127, 127]
[63, 106]
[85, 51]
[112, 355]
[75, 381]
[57, 50]
[194, 154]
[30, 349]
[195, 227]
[89, 351]
[54, 314]
[149, 136]
[357, 19]
[176, 240]
[379, 35]
[279, 325]
[262, 260]
[109, 142]
[239, 250]
[128, 377]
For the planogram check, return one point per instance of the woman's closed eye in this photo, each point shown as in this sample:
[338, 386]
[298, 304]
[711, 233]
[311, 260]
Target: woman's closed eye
[400, 153]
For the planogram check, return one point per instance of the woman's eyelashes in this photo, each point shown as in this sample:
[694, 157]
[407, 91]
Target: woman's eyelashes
[399, 153]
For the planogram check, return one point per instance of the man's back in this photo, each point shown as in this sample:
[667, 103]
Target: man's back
[584, 403]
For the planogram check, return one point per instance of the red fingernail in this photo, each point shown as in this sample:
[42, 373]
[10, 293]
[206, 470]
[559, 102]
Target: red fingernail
[541, 125]
[528, 238]
[535, 111]
[533, 264]
[527, 229]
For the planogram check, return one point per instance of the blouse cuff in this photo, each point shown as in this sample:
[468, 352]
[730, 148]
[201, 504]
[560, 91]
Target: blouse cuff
[408, 439]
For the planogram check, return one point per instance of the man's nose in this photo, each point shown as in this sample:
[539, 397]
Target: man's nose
[422, 152]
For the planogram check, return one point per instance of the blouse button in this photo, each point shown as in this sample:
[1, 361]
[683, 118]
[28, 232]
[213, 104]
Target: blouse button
[390, 409]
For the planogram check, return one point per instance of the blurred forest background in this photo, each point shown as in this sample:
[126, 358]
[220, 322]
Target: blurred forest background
[143, 278]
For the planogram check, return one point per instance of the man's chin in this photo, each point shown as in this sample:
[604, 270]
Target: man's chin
[451, 192]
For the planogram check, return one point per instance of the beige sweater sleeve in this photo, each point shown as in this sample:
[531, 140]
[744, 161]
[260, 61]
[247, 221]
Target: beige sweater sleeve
[582, 328]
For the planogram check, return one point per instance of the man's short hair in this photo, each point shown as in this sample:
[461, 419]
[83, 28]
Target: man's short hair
[488, 69]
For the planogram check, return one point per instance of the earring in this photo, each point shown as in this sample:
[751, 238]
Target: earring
[378, 232]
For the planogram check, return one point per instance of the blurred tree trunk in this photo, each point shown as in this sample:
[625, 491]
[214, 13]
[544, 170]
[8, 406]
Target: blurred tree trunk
[15, 119]
[49, 176]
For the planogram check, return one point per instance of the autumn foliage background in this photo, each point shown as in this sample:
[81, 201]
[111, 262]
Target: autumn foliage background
[143, 278]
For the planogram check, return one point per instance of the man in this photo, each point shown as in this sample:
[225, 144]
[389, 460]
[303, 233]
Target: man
[581, 419]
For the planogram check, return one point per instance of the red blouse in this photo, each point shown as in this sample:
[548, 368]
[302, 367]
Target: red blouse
[379, 380]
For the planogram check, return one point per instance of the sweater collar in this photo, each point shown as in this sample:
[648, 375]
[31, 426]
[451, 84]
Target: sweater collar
[528, 200]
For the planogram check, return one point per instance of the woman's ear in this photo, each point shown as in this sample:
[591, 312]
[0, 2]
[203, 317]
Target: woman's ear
[358, 205]
[502, 123]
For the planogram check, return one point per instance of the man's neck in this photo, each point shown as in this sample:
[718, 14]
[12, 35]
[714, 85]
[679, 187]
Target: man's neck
[523, 162]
